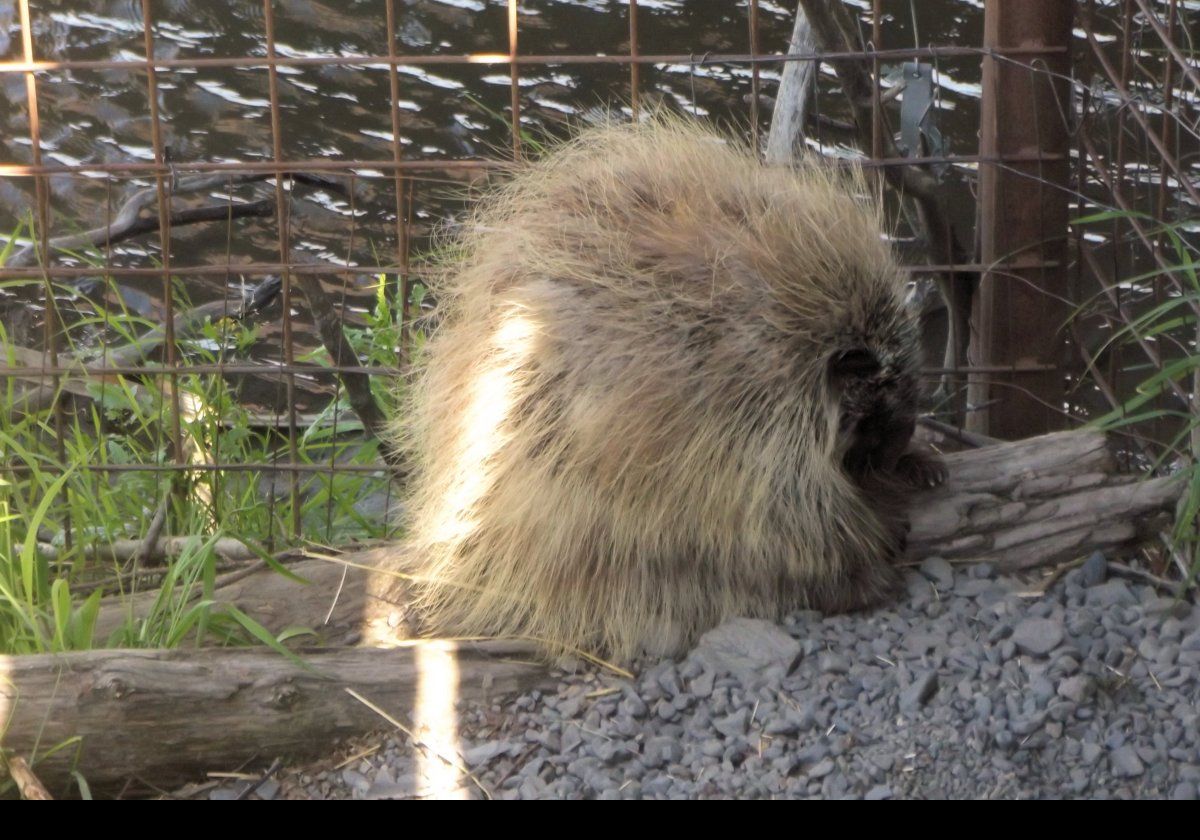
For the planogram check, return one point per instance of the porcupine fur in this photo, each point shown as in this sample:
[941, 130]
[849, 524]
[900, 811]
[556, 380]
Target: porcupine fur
[668, 386]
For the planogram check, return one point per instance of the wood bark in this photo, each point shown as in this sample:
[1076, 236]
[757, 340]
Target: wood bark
[159, 718]
[1039, 501]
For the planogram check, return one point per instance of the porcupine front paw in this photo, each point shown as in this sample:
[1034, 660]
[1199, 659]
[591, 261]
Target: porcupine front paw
[920, 466]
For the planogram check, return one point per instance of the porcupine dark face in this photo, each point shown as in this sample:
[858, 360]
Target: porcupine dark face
[877, 411]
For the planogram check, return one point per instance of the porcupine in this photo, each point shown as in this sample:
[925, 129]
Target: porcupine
[668, 386]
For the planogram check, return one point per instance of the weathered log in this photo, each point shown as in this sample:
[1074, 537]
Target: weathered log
[1018, 505]
[158, 718]
[1038, 501]
[329, 599]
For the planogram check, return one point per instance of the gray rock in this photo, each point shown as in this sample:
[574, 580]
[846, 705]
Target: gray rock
[1038, 636]
[633, 706]
[783, 725]
[812, 754]
[734, 725]
[1114, 593]
[918, 643]
[744, 646]
[1184, 791]
[570, 707]
[974, 587]
[821, 769]
[402, 788]
[1042, 690]
[483, 753]
[1028, 725]
[939, 571]
[1077, 689]
[662, 751]
[923, 687]
[1094, 570]
[571, 738]
[982, 570]
[702, 685]
[918, 588]
[833, 663]
[1125, 762]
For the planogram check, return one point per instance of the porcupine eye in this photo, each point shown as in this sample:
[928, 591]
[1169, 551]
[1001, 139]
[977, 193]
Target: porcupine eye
[858, 363]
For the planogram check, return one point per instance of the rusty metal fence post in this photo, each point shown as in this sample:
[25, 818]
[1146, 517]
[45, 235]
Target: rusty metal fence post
[1019, 313]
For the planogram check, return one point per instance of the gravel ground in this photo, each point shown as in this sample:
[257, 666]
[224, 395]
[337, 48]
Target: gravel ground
[969, 686]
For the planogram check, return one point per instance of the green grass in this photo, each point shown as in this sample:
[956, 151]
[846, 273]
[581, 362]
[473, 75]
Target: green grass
[1171, 326]
[58, 513]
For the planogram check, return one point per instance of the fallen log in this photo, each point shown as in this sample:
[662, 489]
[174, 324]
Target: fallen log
[1037, 502]
[1017, 505]
[329, 599]
[155, 719]
[169, 715]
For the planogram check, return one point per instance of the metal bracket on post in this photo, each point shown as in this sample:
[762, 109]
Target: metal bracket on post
[919, 135]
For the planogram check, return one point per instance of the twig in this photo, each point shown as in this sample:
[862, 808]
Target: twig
[28, 785]
[326, 319]
[1040, 588]
[972, 439]
[150, 542]
[1175, 587]
[239, 574]
[253, 786]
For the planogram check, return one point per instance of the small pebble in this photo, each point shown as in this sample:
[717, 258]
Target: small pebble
[1038, 636]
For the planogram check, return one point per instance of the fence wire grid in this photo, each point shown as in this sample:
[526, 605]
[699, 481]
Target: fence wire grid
[214, 211]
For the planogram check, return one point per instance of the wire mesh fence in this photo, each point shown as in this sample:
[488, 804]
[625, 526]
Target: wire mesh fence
[219, 213]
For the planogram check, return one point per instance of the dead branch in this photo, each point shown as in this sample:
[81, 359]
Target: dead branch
[329, 326]
[130, 222]
[128, 355]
